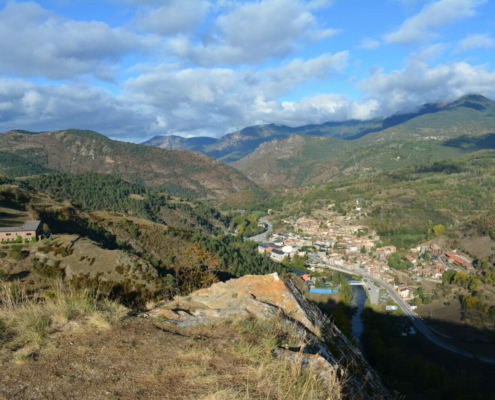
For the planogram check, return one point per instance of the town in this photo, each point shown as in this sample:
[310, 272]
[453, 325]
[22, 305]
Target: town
[340, 241]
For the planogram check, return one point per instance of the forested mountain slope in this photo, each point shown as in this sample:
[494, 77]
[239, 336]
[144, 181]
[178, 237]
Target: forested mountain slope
[164, 247]
[178, 172]
[471, 115]
[302, 160]
[404, 205]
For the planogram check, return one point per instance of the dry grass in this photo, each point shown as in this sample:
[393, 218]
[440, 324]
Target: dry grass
[228, 360]
[277, 378]
[286, 379]
[145, 358]
[28, 317]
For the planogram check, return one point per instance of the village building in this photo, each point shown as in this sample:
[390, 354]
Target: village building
[277, 255]
[30, 229]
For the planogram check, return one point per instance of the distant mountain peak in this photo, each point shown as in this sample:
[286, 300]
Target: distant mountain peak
[474, 101]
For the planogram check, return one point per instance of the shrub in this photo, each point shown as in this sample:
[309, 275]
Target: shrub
[30, 319]
[18, 254]
[3, 275]
[3, 254]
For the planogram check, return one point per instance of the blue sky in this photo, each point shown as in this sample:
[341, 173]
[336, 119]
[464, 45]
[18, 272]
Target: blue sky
[133, 69]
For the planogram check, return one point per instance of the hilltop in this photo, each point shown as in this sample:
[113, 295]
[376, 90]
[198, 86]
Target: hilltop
[252, 338]
[177, 142]
[178, 172]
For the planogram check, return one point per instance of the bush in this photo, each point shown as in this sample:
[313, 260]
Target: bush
[3, 254]
[18, 254]
[3, 275]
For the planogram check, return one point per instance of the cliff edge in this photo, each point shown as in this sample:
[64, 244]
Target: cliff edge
[318, 342]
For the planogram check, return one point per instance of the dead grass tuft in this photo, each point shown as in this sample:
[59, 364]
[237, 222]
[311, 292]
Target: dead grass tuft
[31, 317]
[287, 379]
[277, 378]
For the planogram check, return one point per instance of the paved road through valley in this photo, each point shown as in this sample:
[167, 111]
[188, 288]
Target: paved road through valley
[417, 322]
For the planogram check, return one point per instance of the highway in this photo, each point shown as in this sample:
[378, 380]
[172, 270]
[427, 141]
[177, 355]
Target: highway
[261, 238]
[417, 322]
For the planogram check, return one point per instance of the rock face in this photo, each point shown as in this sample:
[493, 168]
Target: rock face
[322, 345]
[176, 142]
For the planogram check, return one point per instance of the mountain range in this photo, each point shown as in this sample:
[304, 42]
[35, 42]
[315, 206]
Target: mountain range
[471, 114]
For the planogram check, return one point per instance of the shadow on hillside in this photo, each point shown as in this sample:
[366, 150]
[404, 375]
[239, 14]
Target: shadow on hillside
[393, 121]
[417, 368]
[411, 364]
[472, 143]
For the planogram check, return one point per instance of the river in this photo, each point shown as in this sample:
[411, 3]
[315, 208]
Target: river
[359, 297]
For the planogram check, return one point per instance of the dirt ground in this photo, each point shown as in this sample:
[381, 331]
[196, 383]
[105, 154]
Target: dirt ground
[482, 246]
[437, 310]
[140, 359]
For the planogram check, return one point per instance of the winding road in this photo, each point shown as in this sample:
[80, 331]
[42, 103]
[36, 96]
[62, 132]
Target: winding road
[417, 322]
[261, 238]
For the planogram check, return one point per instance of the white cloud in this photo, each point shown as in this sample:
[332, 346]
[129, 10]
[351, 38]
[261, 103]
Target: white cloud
[26, 105]
[433, 51]
[278, 81]
[418, 83]
[421, 26]
[201, 101]
[252, 32]
[369, 44]
[35, 42]
[219, 99]
[474, 41]
[177, 16]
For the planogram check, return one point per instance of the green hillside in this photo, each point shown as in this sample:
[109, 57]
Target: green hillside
[321, 159]
[95, 191]
[404, 205]
[14, 165]
[470, 115]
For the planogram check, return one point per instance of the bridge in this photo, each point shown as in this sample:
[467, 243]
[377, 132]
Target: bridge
[356, 283]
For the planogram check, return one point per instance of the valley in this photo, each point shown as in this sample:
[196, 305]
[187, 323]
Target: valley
[403, 204]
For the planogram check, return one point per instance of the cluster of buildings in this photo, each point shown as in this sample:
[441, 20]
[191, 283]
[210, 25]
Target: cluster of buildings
[341, 242]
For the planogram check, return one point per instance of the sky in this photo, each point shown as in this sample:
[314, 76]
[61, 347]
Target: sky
[134, 69]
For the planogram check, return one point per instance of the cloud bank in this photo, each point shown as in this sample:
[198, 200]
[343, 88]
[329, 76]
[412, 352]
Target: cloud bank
[203, 67]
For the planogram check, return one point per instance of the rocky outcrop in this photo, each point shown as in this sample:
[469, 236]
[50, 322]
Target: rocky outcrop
[173, 142]
[322, 345]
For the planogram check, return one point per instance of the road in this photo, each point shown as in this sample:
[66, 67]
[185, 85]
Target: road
[261, 238]
[417, 322]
